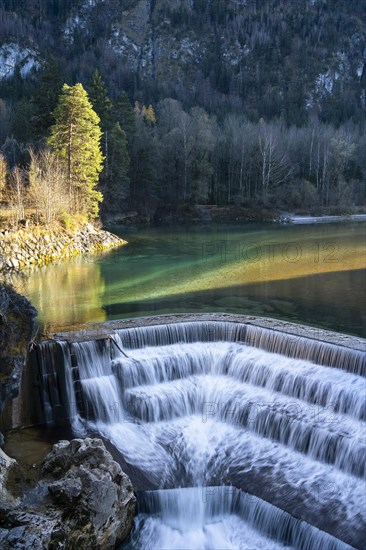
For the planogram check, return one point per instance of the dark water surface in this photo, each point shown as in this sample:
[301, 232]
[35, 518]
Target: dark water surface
[312, 274]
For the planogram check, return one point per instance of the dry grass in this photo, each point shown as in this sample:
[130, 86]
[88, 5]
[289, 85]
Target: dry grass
[8, 215]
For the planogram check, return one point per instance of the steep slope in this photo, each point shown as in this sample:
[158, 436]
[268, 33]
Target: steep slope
[277, 58]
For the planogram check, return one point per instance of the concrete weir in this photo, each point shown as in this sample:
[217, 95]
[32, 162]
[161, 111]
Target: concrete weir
[272, 408]
[44, 396]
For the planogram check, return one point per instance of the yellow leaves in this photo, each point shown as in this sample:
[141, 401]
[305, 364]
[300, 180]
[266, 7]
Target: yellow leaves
[147, 113]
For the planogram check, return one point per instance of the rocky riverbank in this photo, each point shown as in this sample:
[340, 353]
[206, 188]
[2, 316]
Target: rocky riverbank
[80, 497]
[38, 246]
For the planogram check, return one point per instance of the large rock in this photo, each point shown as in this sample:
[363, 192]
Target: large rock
[96, 496]
[83, 500]
[6, 465]
[30, 531]
[17, 322]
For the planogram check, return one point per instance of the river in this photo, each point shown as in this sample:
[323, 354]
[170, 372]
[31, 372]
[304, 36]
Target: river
[311, 274]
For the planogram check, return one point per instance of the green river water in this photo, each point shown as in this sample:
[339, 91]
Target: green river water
[311, 274]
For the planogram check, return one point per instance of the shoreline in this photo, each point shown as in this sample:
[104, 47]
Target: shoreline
[308, 220]
[232, 215]
[25, 248]
[38, 246]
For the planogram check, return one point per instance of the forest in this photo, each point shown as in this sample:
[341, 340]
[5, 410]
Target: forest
[281, 125]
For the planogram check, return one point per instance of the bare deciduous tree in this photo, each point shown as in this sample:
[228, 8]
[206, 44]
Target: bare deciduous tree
[17, 195]
[273, 161]
[48, 186]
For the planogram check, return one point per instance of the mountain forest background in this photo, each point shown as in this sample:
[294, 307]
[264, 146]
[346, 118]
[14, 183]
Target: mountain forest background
[252, 103]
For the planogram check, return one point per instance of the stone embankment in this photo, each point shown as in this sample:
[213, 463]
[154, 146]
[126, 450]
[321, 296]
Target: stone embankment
[38, 246]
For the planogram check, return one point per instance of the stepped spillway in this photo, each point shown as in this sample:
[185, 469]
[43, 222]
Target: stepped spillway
[220, 518]
[272, 425]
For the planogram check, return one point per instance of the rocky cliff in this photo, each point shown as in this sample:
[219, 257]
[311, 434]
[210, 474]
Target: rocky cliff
[278, 58]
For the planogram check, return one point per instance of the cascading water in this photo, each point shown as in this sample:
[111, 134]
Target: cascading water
[218, 518]
[197, 405]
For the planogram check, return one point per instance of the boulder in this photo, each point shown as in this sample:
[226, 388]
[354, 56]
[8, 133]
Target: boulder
[17, 324]
[30, 531]
[94, 488]
[83, 500]
[6, 465]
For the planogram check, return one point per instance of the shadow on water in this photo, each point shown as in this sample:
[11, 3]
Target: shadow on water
[313, 300]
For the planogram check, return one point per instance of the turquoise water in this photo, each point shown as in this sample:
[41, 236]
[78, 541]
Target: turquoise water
[312, 274]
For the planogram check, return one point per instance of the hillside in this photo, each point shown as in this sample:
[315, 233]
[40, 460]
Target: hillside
[274, 58]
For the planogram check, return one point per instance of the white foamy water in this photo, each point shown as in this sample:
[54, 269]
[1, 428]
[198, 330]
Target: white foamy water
[220, 518]
[286, 430]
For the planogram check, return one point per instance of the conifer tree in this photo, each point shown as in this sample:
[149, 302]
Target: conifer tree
[22, 124]
[148, 114]
[98, 96]
[102, 105]
[75, 137]
[124, 114]
[46, 97]
[117, 182]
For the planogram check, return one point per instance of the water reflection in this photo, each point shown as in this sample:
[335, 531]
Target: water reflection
[224, 264]
[67, 294]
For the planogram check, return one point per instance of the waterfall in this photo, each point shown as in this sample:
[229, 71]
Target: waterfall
[219, 518]
[100, 391]
[290, 345]
[202, 404]
[162, 335]
[321, 353]
[52, 364]
[47, 375]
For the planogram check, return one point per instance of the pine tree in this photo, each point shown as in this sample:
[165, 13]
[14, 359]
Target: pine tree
[16, 85]
[22, 125]
[46, 97]
[117, 181]
[124, 114]
[102, 105]
[98, 96]
[143, 157]
[149, 114]
[75, 137]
